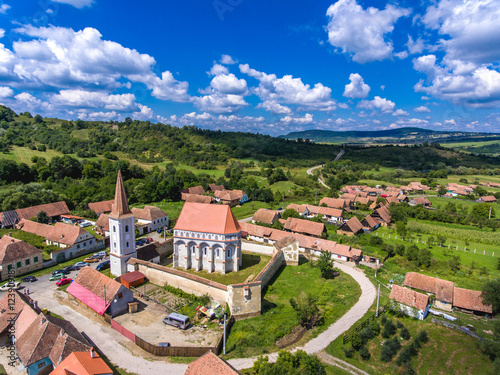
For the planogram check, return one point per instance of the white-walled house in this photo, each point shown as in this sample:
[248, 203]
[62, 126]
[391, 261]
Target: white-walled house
[151, 216]
[409, 302]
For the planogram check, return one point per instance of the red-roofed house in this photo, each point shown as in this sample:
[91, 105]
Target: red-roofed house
[351, 227]
[17, 258]
[411, 303]
[103, 207]
[304, 226]
[99, 292]
[210, 364]
[487, 199]
[83, 363]
[150, 216]
[443, 289]
[470, 300]
[194, 190]
[263, 215]
[207, 237]
[227, 197]
[53, 211]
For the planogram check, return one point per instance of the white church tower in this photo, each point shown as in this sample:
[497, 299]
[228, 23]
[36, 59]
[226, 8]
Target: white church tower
[121, 231]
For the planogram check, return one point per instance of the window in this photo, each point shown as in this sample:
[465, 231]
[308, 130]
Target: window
[9, 267]
[114, 245]
[126, 228]
[114, 228]
[78, 246]
[27, 262]
[229, 253]
[85, 243]
[119, 295]
[192, 250]
[127, 244]
[35, 259]
[217, 253]
[41, 365]
[18, 264]
[205, 251]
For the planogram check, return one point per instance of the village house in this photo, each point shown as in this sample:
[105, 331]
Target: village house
[74, 240]
[409, 302]
[207, 237]
[151, 217]
[196, 198]
[417, 186]
[349, 199]
[304, 226]
[382, 215]
[17, 258]
[242, 196]
[53, 211]
[333, 203]
[369, 224]
[265, 216]
[443, 289]
[194, 190]
[487, 199]
[470, 301]
[361, 200]
[71, 219]
[149, 253]
[42, 341]
[83, 363]
[215, 188]
[307, 244]
[103, 207]
[332, 215]
[99, 292]
[422, 201]
[351, 227]
[8, 219]
[227, 197]
[209, 363]
[102, 225]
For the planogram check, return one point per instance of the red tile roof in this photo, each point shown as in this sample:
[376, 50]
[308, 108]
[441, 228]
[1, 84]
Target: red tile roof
[304, 226]
[62, 233]
[265, 216]
[369, 222]
[194, 190]
[130, 277]
[120, 205]
[210, 364]
[384, 214]
[421, 200]
[149, 213]
[489, 198]
[333, 202]
[103, 222]
[470, 300]
[51, 209]
[214, 187]
[82, 363]
[443, 289]
[196, 198]
[101, 207]
[353, 224]
[227, 195]
[12, 250]
[207, 218]
[409, 297]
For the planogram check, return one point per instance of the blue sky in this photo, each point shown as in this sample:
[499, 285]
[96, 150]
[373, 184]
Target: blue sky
[256, 66]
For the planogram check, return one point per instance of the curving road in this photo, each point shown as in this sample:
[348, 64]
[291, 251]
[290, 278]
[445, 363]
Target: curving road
[125, 354]
[320, 180]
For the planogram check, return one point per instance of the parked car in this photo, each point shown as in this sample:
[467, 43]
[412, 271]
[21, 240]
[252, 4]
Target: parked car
[10, 285]
[85, 224]
[103, 265]
[98, 257]
[159, 230]
[57, 276]
[90, 260]
[29, 279]
[102, 254]
[65, 272]
[149, 239]
[164, 344]
[64, 281]
[70, 268]
[79, 265]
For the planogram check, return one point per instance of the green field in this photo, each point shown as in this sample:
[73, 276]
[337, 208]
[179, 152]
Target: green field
[252, 265]
[284, 187]
[258, 335]
[441, 202]
[24, 154]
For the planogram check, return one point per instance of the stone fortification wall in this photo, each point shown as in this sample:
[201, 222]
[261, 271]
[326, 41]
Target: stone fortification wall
[257, 248]
[244, 300]
[271, 268]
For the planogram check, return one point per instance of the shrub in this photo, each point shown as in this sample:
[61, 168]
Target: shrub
[390, 349]
[423, 337]
[406, 354]
[364, 353]
[399, 324]
[389, 329]
[348, 351]
[405, 334]
[375, 328]
[356, 341]
[383, 319]
[366, 334]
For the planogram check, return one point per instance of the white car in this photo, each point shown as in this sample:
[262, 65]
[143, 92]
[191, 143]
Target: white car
[10, 285]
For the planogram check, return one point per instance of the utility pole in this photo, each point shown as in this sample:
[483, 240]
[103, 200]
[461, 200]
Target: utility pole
[378, 298]
[316, 198]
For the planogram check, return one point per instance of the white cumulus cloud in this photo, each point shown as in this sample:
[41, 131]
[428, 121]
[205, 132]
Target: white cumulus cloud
[362, 33]
[400, 112]
[357, 88]
[4, 8]
[422, 109]
[94, 99]
[6, 92]
[76, 3]
[227, 60]
[229, 84]
[383, 104]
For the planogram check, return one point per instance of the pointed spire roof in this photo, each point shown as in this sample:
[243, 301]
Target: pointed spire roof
[120, 206]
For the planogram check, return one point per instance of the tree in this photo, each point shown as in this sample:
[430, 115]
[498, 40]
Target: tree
[306, 309]
[41, 217]
[38, 119]
[289, 212]
[325, 264]
[442, 190]
[401, 228]
[491, 294]
[290, 364]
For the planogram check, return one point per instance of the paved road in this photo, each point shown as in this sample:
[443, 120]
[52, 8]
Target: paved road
[368, 294]
[310, 172]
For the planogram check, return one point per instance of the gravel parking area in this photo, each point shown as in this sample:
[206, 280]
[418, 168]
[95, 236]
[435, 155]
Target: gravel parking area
[148, 324]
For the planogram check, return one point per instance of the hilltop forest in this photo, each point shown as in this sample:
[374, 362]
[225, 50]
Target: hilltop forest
[77, 161]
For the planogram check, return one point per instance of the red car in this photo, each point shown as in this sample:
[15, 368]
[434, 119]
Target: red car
[64, 281]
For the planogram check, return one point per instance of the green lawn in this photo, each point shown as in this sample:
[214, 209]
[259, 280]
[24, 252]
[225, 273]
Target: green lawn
[441, 202]
[258, 335]
[284, 187]
[24, 154]
[173, 209]
[447, 351]
[249, 208]
[252, 265]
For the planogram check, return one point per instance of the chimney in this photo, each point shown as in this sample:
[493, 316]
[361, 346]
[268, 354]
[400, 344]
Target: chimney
[62, 236]
[92, 353]
[10, 234]
[12, 240]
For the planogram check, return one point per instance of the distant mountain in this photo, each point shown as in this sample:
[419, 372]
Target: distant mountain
[392, 136]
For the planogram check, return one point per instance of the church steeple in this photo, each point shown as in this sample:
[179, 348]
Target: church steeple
[120, 205]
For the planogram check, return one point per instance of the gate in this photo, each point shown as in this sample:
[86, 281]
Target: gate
[125, 332]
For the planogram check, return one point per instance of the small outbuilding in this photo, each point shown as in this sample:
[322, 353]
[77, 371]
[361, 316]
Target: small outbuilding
[132, 279]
